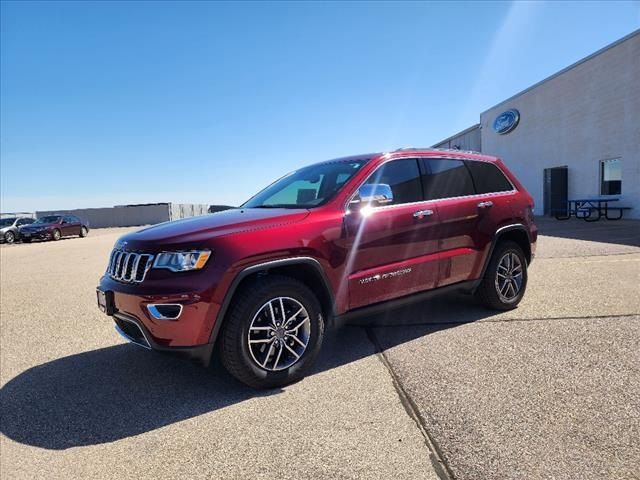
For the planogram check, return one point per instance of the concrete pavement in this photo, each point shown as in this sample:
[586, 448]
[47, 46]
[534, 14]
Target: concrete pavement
[77, 402]
[548, 390]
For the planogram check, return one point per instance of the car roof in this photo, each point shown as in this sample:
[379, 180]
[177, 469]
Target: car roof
[408, 151]
[442, 152]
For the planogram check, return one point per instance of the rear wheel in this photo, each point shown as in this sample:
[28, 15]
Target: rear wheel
[505, 279]
[56, 235]
[9, 237]
[84, 232]
[273, 332]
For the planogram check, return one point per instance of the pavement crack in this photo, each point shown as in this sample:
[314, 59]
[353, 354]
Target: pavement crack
[505, 320]
[435, 455]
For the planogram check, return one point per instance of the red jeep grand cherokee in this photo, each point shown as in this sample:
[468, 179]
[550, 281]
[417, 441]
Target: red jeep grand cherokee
[261, 282]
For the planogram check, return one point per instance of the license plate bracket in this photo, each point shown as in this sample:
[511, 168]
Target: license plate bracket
[105, 301]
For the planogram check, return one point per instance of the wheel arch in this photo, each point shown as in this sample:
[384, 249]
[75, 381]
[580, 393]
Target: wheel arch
[516, 232]
[304, 269]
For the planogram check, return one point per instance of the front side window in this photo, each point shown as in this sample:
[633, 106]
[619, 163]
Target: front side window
[6, 222]
[611, 177]
[307, 187]
[444, 178]
[487, 178]
[403, 177]
[48, 219]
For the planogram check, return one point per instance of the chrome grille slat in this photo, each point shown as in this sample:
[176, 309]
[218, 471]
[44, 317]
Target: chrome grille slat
[125, 267]
[129, 267]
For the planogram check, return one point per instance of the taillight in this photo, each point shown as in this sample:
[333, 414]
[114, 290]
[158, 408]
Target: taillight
[529, 212]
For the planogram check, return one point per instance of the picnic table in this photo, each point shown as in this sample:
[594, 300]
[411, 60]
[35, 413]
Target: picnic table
[591, 209]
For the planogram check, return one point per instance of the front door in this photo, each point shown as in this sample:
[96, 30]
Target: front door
[392, 248]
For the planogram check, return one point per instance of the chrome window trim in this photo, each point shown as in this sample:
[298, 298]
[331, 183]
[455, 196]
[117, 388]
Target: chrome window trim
[475, 195]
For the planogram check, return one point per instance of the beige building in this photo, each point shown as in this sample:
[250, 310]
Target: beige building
[573, 135]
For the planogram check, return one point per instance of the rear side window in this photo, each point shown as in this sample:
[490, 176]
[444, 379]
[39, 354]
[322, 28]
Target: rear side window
[488, 178]
[403, 176]
[444, 178]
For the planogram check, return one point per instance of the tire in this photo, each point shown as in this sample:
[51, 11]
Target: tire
[84, 232]
[249, 319]
[497, 273]
[9, 237]
[56, 235]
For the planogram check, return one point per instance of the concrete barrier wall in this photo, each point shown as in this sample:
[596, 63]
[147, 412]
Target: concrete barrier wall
[117, 216]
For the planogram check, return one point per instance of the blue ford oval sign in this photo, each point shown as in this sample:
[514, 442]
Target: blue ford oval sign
[506, 121]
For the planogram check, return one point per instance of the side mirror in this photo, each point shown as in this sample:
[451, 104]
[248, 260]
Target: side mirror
[372, 194]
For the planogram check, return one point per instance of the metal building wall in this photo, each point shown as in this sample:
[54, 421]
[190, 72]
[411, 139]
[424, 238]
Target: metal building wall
[184, 210]
[469, 139]
[586, 113]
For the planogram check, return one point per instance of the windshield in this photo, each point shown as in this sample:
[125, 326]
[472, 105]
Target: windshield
[7, 222]
[50, 219]
[307, 187]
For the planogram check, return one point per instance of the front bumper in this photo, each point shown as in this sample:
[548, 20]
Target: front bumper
[134, 331]
[41, 235]
[189, 335]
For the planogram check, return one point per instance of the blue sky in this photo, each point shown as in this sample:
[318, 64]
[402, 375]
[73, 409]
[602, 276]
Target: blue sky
[123, 102]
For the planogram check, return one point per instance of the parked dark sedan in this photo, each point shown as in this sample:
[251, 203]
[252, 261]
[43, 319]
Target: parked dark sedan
[9, 228]
[54, 227]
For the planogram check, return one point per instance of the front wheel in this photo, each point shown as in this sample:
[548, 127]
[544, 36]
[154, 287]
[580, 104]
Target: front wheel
[9, 237]
[84, 232]
[56, 235]
[273, 332]
[505, 279]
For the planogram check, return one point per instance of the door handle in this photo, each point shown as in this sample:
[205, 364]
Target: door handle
[487, 204]
[420, 214]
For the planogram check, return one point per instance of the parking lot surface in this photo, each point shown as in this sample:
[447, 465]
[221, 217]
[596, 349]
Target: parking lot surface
[549, 390]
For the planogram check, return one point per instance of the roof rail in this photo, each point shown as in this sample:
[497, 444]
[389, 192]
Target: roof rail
[452, 150]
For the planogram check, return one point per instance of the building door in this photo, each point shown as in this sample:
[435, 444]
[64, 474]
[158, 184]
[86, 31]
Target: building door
[556, 190]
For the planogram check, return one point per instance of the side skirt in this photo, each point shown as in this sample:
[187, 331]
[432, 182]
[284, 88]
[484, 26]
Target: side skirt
[468, 286]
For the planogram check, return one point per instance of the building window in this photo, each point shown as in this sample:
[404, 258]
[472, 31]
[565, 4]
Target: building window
[611, 177]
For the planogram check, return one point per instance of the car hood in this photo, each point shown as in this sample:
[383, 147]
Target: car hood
[199, 229]
[38, 226]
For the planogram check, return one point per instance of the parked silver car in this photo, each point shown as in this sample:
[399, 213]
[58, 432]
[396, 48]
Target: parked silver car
[9, 228]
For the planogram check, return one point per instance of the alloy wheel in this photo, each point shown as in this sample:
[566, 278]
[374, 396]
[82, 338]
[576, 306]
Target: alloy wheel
[509, 277]
[279, 334]
[9, 237]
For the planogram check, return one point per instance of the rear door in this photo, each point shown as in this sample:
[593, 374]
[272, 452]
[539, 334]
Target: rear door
[463, 230]
[66, 227]
[76, 225]
[392, 249]
[496, 195]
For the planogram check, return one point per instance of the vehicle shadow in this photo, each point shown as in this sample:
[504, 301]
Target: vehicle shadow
[116, 392]
[622, 232]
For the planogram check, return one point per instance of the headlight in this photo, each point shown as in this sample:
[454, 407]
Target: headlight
[182, 261]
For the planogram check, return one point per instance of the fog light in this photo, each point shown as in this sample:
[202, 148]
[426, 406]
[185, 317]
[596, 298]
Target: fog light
[165, 311]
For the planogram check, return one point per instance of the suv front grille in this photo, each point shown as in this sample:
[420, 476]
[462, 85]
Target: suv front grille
[129, 267]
